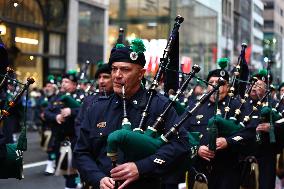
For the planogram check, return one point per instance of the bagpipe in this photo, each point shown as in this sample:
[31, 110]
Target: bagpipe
[113, 139]
[69, 101]
[219, 126]
[12, 165]
[9, 72]
[131, 142]
[236, 76]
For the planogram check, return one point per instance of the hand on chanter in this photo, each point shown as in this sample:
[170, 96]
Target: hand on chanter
[126, 172]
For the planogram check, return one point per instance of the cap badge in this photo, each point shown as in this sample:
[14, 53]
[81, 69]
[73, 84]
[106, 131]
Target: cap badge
[222, 73]
[133, 56]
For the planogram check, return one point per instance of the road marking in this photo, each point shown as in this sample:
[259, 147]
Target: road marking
[36, 164]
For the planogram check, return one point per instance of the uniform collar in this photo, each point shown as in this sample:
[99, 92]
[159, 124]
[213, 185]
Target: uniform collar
[220, 102]
[138, 100]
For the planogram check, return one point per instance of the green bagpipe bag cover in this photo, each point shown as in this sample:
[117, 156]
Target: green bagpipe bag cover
[265, 114]
[270, 115]
[70, 102]
[134, 145]
[12, 165]
[227, 127]
[220, 127]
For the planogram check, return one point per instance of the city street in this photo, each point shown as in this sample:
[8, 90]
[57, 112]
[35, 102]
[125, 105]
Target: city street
[34, 165]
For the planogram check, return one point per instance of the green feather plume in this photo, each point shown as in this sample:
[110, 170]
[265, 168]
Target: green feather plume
[59, 78]
[119, 45]
[262, 72]
[100, 63]
[50, 77]
[137, 46]
[223, 62]
[72, 72]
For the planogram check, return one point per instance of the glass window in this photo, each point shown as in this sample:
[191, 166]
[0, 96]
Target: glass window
[268, 24]
[56, 44]
[57, 14]
[268, 5]
[28, 40]
[257, 41]
[148, 8]
[91, 30]
[198, 41]
[56, 64]
[257, 25]
[114, 9]
[26, 11]
[257, 10]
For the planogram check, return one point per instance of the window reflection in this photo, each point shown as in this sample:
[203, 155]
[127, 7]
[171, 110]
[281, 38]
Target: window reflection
[27, 40]
[25, 12]
[91, 28]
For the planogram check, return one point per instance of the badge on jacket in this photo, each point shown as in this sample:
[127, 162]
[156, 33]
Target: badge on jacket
[101, 124]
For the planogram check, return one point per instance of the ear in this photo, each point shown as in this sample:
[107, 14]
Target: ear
[141, 73]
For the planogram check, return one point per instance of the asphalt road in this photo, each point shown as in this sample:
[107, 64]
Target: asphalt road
[34, 165]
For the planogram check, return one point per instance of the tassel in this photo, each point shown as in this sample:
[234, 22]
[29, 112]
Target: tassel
[45, 139]
[250, 174]
[280, 165]
[22, 142]
[200, 181]
[64, 166]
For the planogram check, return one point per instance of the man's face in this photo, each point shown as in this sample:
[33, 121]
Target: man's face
[49, 89]
[198, 90]
[68, 86]
[223, 90]
[105, 82]
[128, 74]
[281, 91]
[258, 90]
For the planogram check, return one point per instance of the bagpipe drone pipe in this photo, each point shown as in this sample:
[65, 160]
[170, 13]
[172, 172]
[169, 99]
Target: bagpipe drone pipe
[164, 62]
[12, 165]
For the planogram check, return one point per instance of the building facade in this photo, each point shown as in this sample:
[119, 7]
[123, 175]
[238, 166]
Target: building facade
[257, 34]
[34, 33]
[51, 36]
[227, 27]
[153, 21]
[274, 35]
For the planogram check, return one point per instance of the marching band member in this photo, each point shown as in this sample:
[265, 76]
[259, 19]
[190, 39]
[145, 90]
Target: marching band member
[105, 117]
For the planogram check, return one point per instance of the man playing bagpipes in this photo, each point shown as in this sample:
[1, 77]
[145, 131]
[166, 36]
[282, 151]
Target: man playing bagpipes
[214, 166]
[61, 113]
[48, 137]
[258, 141]
[106, 116]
